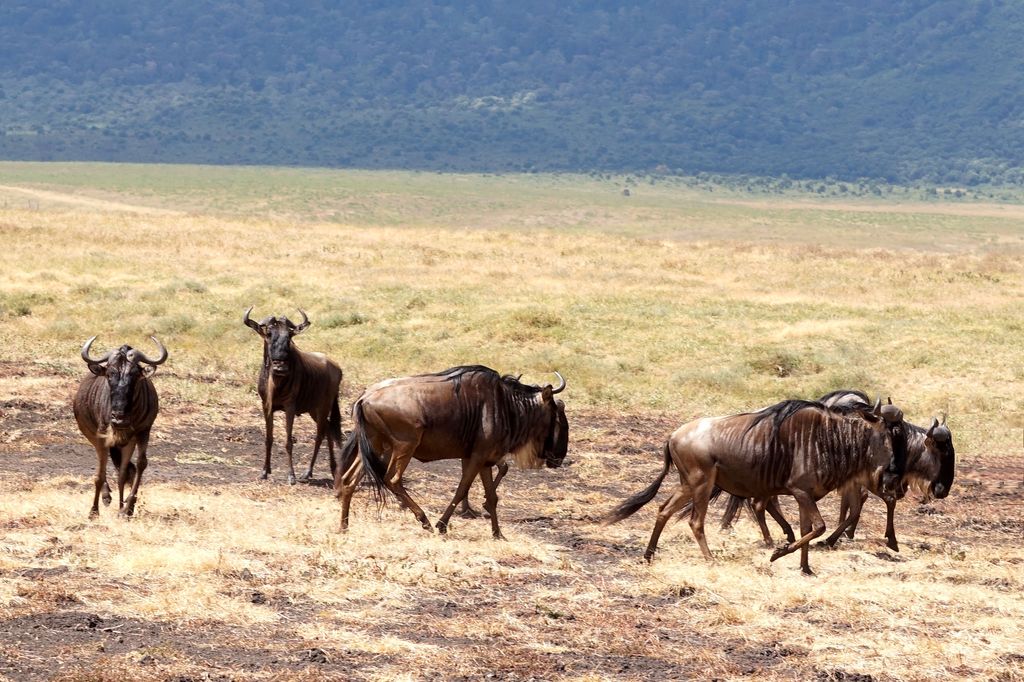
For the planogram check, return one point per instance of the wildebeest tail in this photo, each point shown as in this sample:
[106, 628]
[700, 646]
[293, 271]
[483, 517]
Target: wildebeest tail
[115, 457]
[732, 508]
[634, 503]
[371, 461]
[334, 423]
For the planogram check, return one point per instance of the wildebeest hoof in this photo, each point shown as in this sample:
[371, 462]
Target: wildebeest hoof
[308, 475]
[780, 552]
[499, 536]
[442, 528]
[807, 571]
[893, 545]
[265, 475]
[291, 479]
[648, 556]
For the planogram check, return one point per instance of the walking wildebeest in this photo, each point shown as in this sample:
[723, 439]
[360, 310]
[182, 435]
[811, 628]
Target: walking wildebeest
[296, 382]
[115, 407]
[929, 467]
[796, 447]
[469, 413]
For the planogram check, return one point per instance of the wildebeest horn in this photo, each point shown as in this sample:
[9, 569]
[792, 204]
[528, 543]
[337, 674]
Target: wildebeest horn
[931, 429]
[248, 322]
[302, 325]
[561, 385]
[160, 360]
[877, 410]
[89, 360]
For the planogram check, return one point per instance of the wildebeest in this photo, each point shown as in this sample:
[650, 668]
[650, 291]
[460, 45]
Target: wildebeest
[929, 468]
[931, 461]
[296, 382]
[469, 413]
[796, 447]
[115, 407]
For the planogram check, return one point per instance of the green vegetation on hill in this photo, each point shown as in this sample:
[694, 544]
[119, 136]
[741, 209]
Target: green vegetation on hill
[903, 90]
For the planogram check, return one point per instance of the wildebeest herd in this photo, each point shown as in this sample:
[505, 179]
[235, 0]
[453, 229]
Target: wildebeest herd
[806, 449]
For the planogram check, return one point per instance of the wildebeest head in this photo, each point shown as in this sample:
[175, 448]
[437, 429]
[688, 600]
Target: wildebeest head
[122, 368]
[891, 481]
[557, 443]
[938, 442]
[277, 333]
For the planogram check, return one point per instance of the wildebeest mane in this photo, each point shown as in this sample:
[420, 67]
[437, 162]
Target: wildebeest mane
[459, 373]
[863, 397]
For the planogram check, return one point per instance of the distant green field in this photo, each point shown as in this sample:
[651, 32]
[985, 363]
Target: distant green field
[673, 298]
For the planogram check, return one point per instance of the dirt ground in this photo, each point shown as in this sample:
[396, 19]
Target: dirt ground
[611, 456]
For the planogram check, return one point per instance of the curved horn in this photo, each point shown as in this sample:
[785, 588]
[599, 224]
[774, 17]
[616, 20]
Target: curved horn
[890, 400]
[305, 322]
[561, 385]
[943, 419]
[877, 410]
[160, 360]
[931, 429]
[85, 353]
[248, 322]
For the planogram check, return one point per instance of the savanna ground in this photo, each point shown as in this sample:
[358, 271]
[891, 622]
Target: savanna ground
[658, 307]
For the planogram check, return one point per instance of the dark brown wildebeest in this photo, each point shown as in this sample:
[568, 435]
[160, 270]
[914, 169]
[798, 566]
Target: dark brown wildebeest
[797, 447]
[115, 407]
[931, 461]
[296, 382]
[929, 468]
[469, 413]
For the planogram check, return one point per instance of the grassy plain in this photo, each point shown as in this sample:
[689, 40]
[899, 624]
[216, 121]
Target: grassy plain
[658, 307]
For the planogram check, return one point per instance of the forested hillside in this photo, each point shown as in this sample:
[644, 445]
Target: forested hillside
[904, 90]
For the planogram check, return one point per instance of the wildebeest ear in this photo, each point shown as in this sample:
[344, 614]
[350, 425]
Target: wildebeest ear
[547, 393]
[149, 370]
[97, 369]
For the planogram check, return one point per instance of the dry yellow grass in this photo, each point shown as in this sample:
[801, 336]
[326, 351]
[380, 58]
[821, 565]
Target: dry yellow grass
[656, 312]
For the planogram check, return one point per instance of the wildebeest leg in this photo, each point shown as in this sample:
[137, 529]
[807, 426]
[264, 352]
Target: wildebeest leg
[346, 486]
[106, 494]
[757, 511]
[772, 505]
[701, 484]
[269, 443]
[856, 517]
[668, 508]
[469, 472]
[491, 500]
[811, 526]
[400, 458]
[127, 450]
[466, 511]
[321, 429]
[129, 505]
[289, 422]
[890, 529]
[100, 480]
[852, 500]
